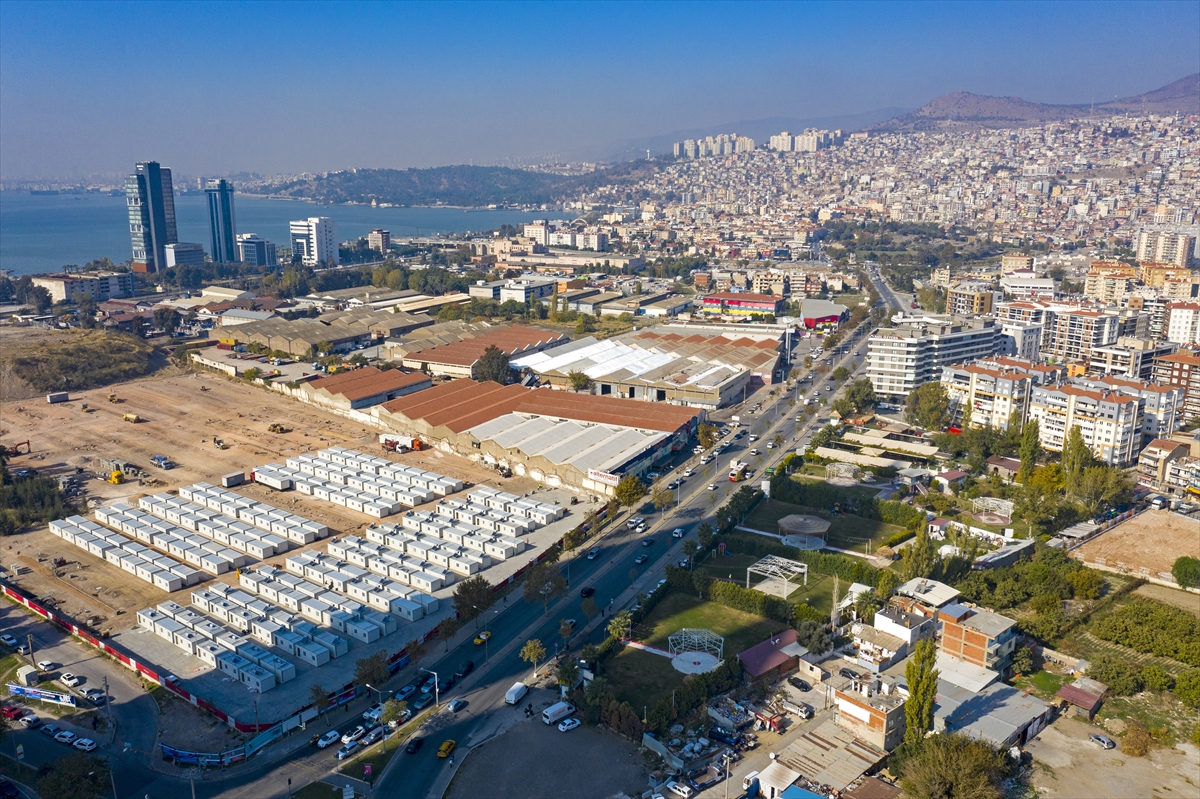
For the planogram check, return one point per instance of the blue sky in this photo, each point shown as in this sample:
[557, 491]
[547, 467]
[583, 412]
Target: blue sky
[210, 88]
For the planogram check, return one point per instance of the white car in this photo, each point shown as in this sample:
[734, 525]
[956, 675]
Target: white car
[347, 750]
[770, 445]
[46, 665]
[373, 713]
[8, 640]
[70, 680]
[641, 528]
[66, 737]
[85, 745]
[677, 532]
[680, 790]
[688, 473]
[707, 459]
[754, 451]
[566, 725]
[712, 486]
[328, 739]
[354, 734]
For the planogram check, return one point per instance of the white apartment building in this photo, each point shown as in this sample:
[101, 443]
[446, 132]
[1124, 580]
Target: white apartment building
[380, 240]
[592, 241]
[1111, 422]
[991, 392]
[1182, 322]
[99, 286]
[1164, 247]
[538, 231]
[1021, 286]
[1162, 406]
[1020, 339]
[1130, 357]
[914, 351]
[314, 241]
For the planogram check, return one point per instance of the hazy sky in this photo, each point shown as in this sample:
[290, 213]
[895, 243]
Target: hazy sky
[215, 88]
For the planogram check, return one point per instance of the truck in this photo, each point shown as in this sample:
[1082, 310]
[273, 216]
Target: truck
[557, 712]
[162, 462]
[132, 417]
[737, 471]
[516, 693]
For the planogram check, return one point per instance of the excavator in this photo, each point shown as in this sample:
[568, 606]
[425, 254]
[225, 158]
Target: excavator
[113, 398]
[278, 428]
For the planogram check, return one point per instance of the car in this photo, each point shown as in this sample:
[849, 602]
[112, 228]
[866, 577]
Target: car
[85, 745]
[354, 734]
[465, 669]
[46, 665]
[849, 674]
[587, 591]
[70, 680]
[770, 445]
[328, 739]
[708, 458]
[447, 747]
[22, 649]
[8, 640]
[30, 721]
[712, 486]
[373, 712]
[66, 737]
[448, 684]
[593, 553]
[632, 523]
[641, 558]
[8, 790]
[566, 725]
[51, 730]
[683, 564]
[374, 736]
[12, 712]
[696, 450]
[482, 637]
[1103, 741]
[754, 436]
[688, 473]
[430, 686]
[347, 750]
[754, 451]
[829, 388]
[647, 542]
[423, 702]
[414, 745]
[680, 790]
[799, 684]
[457, 705]
[641, 528]
[404, 716]
[677, 532]
[570, 623]
[673, 485]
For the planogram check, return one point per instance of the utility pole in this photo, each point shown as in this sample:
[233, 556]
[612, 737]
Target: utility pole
[108, 707]
[29, 640]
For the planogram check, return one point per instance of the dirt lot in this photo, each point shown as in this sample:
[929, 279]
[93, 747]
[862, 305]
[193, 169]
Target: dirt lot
[1069, 766]
[1151, 542]
[534, 760]
[1172, 596]
[182, 413]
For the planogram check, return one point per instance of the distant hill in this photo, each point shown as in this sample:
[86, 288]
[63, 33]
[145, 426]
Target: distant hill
[966, 110]
[470, 186]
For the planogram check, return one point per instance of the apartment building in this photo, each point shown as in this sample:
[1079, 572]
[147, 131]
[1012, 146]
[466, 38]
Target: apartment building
[771, 283]
[1164, 247]
[1073, 333]
[992, 393]
[1153, 306]
[1016, 262]
[970, 299]
[1182, 322]
[1111, 422]
[1162, 406]
[1028, 287]
[380, 240]
[1155, 461]
[1157, 275]
[978, 637]
[915, 350]
[314, 241]
[1181, 370]
[99, 286]
[1110, 282]
[1130, 357]
[1024, 340]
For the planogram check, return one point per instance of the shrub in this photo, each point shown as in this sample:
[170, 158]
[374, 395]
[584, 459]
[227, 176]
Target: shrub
[1147, 626]
[1186, 571]
[84, 360]
[1157, 678]
[1137, 742]
[1123, 679]
[1187, 688]
[899, 538]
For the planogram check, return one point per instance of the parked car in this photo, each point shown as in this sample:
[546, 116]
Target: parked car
[423, 702]
[70, 680]
[465, 669]
[30, 722]
[12, 712]
[799, 684]
[446, 748]
[640, 559]
[457, 705]
[85, 745]
[347, 750]
[328, 739]
[566, 725]
[373, 712]
[414, 745]
[1103, 741]
[680, 790]
[354, 734]
[66, 737]
[849, 674]
[46, 665]
[8, 640]
[8, 790]
[374, 736]
[52, 730]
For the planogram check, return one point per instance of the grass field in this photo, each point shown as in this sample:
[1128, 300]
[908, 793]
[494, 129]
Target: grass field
[640, 678]
[818, 593]
[845, 532]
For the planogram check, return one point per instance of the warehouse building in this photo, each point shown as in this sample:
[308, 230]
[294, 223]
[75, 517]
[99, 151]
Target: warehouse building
[362, 388]
[743, 305]
[459, 358]
[560, 438]
[822, 312]
[343, 330]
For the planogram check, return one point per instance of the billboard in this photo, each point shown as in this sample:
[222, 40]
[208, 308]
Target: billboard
[603, 477]
[41, 695]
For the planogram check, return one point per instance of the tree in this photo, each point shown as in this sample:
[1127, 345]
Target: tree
[1031, 449]
[865, 605]
[543, 582]
[840, 374]
[704, 534]
[953, 766]
[1137, 741]
[706, 434]
[926, 406]
[39, 297]
[472, 597]
[922, 690]
[373, 669]
[807, 361]
[415, 649]
[318, 695]
[447, 629]
[590, 609]
[620, 624]
[690, 548]
[393, 710]
[1075, 457]
[565, 628]
[76, 776]
[1098, 487]
[166, 318]
[919, 559]
[812, 636]
[493, 365]
[843, 406]
[1186, 571]
[862, 394]
[629, 490]
[579, 381]
[568, 673]
[1022, 661]
[662, 497]
[1187, 688]
[1085, 583]
[532, 653]
[886, 584]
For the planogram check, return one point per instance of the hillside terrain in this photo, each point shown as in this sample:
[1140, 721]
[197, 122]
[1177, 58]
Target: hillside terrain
[966, 110]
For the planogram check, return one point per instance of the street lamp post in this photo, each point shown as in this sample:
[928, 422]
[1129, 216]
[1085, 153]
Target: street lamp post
[437, 701]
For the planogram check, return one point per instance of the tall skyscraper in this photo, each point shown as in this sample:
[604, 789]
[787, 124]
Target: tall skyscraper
[151, 203]
[314, 241]
[221, 222]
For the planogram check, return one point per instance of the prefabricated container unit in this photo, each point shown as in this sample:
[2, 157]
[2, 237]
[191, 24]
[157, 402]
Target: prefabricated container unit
[386, 624]
[207, 651]
[210, 629]
[166, 628]
[233, 479]
[231, 663]
[265, 630]
[289, 641]
[363, 631]
[282, 669]
[338, 619]
[187, 641]
[254, 653]
[311, 653]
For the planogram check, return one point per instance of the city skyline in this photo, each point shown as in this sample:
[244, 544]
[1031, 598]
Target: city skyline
[451, 72]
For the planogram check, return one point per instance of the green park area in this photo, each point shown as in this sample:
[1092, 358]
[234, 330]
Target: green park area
[818, 593]
[846, 531]
[642, 678]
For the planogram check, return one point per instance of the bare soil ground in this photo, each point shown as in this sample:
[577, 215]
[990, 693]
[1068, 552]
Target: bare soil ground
[1150, 542]
[1171, 596]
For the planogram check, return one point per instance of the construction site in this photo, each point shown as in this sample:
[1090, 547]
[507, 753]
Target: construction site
[149, 454]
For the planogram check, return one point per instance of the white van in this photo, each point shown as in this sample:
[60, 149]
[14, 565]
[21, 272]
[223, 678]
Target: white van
[557, 712]
[750, 781]
[516, 693]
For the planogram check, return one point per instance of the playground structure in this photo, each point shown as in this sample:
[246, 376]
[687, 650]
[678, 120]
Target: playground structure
[696, 650]
[993, 511]
[839, 473]
[779, 573]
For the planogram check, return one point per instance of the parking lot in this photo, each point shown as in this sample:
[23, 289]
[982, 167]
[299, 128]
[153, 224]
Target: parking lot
[1070, 766]
[535, 760]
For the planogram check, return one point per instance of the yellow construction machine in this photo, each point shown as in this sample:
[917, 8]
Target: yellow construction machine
[114, 398]
[116, 478]
[132, 417]
[277, 428]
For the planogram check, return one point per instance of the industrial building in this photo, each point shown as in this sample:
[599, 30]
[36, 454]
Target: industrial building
[459, 358]
[558, 437]
[362, 388]
[342, 330]
[99, 286]
[703, 371]
[822, 312]
[743, 305]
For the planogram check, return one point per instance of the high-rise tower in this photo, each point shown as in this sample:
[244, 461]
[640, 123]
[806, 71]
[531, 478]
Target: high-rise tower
[151, 203]
[221, 221]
